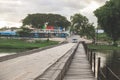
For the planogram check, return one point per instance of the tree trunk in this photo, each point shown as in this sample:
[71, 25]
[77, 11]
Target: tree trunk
[115, 43]
[94, 41]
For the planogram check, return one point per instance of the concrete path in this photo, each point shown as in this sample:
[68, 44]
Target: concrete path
[30, 66]
[80, 67]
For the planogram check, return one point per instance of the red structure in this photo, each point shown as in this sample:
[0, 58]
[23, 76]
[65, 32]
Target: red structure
[50, 27]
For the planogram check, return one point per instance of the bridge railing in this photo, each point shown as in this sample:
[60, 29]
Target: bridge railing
[95, 64]
[107, 74]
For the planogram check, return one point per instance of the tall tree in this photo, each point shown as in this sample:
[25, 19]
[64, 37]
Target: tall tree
[24, 32]
[38, 20]
[90, 32]
[109, 19]
[81, 26]
[78, 22]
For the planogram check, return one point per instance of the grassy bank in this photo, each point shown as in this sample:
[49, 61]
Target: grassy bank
[102, 47]
[15, 45]
[103, 43]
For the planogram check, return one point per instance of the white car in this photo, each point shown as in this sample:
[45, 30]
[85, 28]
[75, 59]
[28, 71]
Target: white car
[74, 40]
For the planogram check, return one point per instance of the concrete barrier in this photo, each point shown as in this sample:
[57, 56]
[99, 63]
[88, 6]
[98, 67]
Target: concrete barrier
[7, 57]
[58, 69]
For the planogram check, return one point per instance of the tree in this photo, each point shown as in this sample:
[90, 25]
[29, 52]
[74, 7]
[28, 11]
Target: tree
[109, 19]
[24, 32]
[81, 26]
[89, 32]
[38, 20]
[78, 22]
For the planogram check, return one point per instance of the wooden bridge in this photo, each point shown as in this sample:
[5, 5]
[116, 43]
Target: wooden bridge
[79, 68]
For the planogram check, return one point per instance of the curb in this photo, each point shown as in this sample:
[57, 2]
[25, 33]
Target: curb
[58, 69]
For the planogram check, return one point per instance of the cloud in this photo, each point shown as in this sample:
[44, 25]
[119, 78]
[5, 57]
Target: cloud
[14, 11]
[9, 24]
[88, 12]
[101, 1]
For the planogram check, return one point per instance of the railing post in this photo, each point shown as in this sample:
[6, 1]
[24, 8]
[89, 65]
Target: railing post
[107, 72]
[87, 51]
[94, 64]
[85, 46]
[91, 59]
[98, 69]
[88, 54]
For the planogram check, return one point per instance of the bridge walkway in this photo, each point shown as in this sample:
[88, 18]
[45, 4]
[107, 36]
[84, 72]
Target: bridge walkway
[79, 68]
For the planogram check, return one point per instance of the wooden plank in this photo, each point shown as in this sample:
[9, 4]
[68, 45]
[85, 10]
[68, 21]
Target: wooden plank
[80, 67]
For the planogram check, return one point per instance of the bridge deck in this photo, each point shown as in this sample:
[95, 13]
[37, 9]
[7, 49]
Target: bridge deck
[80, 67]
[31, 66]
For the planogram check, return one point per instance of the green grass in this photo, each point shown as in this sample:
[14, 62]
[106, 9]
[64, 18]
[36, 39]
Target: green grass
[9, 45]
[104, 40]
[102, 47]
[103, 37]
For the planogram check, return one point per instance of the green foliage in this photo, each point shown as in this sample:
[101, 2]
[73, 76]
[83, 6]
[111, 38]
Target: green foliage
[78, 22]
[102, 47]
[24, 32]
[38, 20]
[109, 18]
[81, 26]
[89, 31]
[103, 37]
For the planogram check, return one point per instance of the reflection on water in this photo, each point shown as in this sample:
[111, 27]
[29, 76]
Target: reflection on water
[112, 59]
[5, 54]
[103, 57]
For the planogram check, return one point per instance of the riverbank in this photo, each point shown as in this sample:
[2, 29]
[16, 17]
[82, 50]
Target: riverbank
[102, 47]
[109, 58]
[16, 45]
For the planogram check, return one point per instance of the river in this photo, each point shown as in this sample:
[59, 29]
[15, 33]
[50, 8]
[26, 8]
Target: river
[5, 54]
[112, 59]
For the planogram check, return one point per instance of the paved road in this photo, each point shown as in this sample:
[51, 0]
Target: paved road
[30, 66]
[69, 39]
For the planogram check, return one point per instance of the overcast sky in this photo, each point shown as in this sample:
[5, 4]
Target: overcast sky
[13, 11]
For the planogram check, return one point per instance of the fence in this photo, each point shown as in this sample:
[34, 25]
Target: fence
[98, 72]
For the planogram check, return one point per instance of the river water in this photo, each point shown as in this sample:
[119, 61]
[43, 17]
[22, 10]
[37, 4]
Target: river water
[5, 54]
[112, 60]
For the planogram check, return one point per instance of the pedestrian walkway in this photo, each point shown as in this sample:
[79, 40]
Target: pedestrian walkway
[31, 66]
[80, 67]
